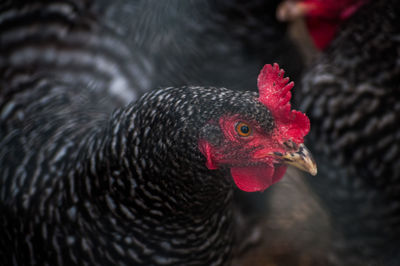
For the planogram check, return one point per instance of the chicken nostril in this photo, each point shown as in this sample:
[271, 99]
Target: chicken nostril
[291, 145]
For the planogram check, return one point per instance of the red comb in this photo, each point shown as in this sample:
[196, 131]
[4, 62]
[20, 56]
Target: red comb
[274, 91]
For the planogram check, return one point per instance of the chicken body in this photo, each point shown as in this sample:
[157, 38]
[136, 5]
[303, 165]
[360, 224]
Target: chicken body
[80, 188]
[351, 94]
[88, 180]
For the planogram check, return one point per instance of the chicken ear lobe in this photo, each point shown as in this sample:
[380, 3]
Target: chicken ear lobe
[207, 150]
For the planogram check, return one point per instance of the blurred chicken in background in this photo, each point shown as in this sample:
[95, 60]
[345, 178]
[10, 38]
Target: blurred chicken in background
[350, 90]
[351, 94]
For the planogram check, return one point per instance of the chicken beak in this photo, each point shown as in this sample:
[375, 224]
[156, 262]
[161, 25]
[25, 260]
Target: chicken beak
[297, 155]
[300, 157]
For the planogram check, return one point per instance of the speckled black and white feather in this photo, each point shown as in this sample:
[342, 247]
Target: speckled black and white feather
[352, 98]
[66, 40]
[145, 44]
[82, 188]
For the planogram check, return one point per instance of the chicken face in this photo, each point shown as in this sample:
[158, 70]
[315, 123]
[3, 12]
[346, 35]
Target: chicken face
[257, 150]
[256, 158]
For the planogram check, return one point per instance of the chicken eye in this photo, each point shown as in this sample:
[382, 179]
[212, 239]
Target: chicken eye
[243, 129]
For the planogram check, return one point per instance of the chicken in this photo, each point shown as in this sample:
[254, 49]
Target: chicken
[88, 180]
[351, 96]
[146, 185]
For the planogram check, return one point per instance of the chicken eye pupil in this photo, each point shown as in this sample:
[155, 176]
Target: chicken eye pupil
[245, 129]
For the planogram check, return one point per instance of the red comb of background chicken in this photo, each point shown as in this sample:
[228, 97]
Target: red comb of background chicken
[274, 91]
[323, 17]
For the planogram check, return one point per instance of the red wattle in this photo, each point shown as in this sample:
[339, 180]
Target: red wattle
[321, 31]
[256, 178]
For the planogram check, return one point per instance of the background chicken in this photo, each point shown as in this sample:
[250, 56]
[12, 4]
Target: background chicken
[349, 215]
[351, 94]
[86, 181]
[147, 44]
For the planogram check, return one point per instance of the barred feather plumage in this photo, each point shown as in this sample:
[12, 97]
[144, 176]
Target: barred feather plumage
[351, 94]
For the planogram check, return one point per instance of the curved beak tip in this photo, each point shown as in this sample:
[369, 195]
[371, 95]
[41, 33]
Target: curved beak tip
[296, 155]
[302, 159]
[313, 171]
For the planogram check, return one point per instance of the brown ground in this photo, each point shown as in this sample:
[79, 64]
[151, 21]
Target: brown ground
[296, 230]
